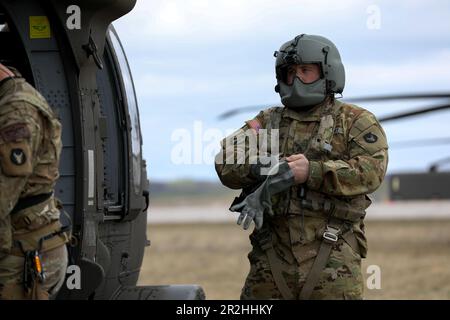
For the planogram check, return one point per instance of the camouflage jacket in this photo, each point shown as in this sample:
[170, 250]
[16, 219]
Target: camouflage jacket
[347, 152]
[30, 146]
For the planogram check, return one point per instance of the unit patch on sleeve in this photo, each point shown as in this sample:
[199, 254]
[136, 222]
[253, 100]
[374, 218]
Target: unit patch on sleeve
[370, 137]
[15, 132]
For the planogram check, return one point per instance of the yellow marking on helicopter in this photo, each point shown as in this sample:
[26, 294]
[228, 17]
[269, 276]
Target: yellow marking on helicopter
[39, 27]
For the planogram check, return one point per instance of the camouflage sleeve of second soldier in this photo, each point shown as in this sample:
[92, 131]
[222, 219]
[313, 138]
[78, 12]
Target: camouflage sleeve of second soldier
[20, 136]
[233, 162]
[366, 168]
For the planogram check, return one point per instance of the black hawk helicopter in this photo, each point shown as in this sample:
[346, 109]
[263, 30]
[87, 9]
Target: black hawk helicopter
[80, 67]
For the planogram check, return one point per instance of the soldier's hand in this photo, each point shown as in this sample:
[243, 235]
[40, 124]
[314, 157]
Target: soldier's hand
[299, 166]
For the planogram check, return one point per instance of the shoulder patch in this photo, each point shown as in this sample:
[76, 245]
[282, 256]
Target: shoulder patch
[254, 124]
[18, 157]
[370, 137]
[15, 132]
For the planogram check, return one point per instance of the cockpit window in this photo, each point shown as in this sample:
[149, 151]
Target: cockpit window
[133, 111]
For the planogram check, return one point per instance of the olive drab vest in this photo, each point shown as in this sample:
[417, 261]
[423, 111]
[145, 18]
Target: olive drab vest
[30, 223]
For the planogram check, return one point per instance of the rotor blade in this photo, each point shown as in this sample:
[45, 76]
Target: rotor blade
[233, 112]
[236, 111]
[413, 113]
[413, 96]
[419, 143]
[435, 165]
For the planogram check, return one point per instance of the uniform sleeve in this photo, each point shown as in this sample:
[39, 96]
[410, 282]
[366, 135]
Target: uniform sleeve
[20, 136]
[364, 172]
[238, 152]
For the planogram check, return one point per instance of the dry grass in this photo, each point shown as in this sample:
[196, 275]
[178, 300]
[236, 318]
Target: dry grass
[414, 257]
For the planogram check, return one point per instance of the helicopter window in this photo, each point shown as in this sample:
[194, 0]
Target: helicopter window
[130, 98]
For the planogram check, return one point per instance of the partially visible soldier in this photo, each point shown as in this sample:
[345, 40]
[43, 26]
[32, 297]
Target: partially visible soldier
[33, 255]
[309, 236]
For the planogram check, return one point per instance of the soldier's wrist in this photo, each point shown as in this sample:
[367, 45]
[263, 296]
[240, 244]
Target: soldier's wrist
[315, 177]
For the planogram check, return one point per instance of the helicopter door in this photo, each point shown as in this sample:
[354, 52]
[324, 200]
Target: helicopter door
[116, 92]
[113, 133]
[131, 126]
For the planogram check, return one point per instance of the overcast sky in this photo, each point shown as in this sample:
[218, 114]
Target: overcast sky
[193, 60]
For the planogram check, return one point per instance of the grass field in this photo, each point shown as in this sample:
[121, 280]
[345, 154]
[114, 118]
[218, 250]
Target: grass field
[414, 257]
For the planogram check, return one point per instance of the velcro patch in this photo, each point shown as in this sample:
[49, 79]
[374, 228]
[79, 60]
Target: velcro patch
[15, 159]
[18, 157]
[370, 137]
[254, 124]
[15, 132]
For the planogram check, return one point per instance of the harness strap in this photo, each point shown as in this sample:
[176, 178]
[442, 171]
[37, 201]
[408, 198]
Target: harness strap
[329, 238]
[265, 241]
[47, 238]
[339, 209]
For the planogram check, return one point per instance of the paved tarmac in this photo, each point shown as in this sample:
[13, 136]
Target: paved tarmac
[218, 212]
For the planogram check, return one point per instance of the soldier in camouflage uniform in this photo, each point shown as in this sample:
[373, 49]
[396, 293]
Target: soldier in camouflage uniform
[309, 236]
[33, 255]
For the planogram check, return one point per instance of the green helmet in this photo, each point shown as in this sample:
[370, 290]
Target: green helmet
[309, 49]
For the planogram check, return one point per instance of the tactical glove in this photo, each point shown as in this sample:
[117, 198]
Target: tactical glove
[253, 207]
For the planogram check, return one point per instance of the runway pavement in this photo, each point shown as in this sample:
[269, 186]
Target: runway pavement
[218, 212]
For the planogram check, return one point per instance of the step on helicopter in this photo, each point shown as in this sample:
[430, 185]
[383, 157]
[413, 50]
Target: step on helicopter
[70, 52]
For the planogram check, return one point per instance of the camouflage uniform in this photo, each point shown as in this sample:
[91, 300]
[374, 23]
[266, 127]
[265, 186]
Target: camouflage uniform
[347, 151]
[30, 146]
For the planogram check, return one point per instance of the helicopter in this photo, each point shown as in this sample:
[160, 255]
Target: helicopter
[79, 65]
[430, 185]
